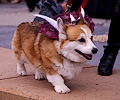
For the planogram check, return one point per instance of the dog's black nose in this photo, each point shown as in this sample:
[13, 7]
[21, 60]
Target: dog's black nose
[94, 50]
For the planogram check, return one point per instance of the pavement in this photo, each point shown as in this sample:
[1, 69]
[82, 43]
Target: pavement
[87, 86]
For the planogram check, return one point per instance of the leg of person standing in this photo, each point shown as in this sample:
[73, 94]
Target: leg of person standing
[31, 4]
[113, 44]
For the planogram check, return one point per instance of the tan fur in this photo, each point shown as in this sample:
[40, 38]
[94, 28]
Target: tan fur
[27, 39]
[74, 32]
[38, 49]
[53, 59]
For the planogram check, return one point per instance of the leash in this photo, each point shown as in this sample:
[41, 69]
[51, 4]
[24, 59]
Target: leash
[69, 3]
[83, 4]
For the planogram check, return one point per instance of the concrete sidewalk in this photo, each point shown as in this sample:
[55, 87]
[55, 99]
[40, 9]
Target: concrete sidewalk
[87, 86]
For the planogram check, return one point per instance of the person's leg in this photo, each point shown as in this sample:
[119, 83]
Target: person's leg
[111, 50]
[30, 5]
[36, 4]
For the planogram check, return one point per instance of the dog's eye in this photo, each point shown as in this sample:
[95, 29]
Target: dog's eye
[91, 38]
[81, 40]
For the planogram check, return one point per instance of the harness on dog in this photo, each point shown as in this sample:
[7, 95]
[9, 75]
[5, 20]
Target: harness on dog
[48, 30]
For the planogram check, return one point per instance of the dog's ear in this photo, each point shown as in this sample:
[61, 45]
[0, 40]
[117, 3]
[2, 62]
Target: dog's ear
[81, 21]
[62, 29]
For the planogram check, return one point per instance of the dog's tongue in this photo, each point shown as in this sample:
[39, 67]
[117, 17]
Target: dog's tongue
[88, 56]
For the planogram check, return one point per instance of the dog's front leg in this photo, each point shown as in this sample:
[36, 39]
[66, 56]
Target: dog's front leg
[58, 83]
[40, 74]
[21, 69]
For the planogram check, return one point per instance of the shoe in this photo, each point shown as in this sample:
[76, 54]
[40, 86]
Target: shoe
[30, 9]
[107, 61]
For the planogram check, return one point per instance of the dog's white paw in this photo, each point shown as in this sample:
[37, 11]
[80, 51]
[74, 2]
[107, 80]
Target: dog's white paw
[21, 70]
[40, 75]
[62, 89]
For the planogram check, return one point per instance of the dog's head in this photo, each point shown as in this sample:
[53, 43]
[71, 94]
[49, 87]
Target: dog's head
[75, 41]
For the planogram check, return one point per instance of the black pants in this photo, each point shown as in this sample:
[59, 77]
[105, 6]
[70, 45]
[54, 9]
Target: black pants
[31, 3]
[114, 30]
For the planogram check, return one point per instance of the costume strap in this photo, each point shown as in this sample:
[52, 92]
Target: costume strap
[69, 2]
[82, 5]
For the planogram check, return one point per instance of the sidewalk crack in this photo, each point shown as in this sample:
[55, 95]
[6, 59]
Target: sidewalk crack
[15, 77]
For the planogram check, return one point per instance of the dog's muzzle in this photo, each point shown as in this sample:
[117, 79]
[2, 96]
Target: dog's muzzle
[87, 56]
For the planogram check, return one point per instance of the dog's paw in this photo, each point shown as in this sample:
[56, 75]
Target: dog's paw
[21, 70]
[40, 75]
[62, 89]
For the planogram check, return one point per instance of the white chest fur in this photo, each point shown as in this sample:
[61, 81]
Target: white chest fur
[70, 69]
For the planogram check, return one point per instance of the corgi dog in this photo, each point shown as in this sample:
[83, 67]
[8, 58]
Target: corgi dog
[55, 60]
